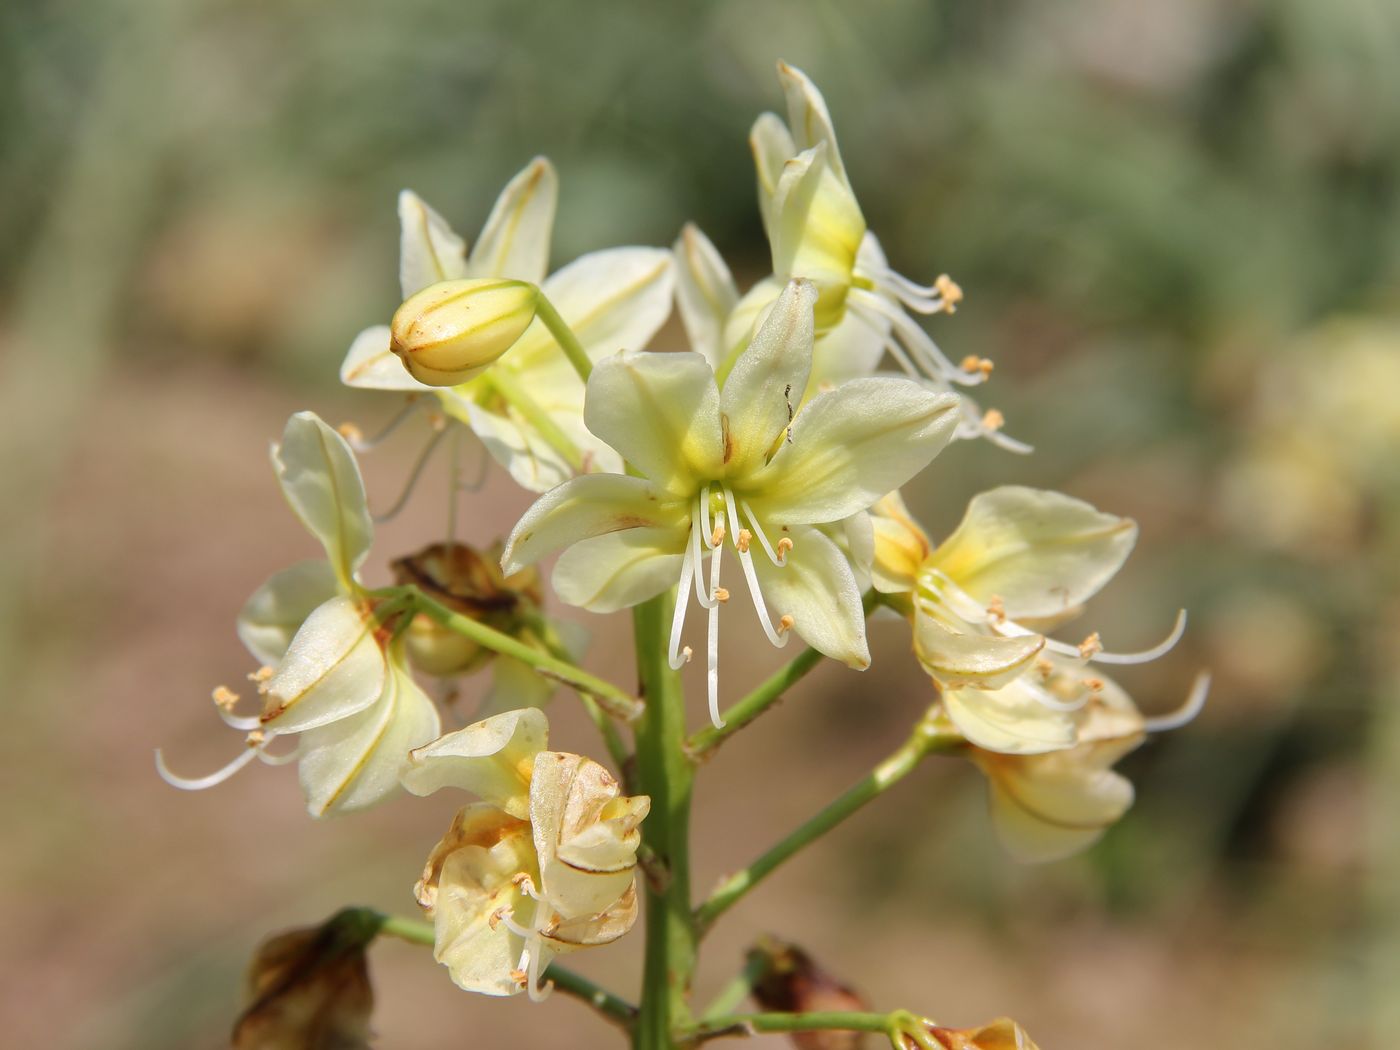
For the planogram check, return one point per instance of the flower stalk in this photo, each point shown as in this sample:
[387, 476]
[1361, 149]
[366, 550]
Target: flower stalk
[565, 337]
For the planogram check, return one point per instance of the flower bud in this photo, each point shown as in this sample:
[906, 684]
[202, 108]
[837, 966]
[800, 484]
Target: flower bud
[790, 981]
[451, 330]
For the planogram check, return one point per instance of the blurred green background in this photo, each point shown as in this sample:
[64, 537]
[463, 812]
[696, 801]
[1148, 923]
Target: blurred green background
[1178, 227]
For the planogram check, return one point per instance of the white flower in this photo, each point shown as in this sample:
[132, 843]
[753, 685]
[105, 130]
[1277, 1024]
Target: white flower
[339, 683]
[816, 231]
[544, 865]
[612, 299]
[742, 464]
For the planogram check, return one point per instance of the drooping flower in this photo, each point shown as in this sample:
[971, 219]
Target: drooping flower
[816, 230]
[527, 406]
[543, 866]
[334, 675]
[1021, 561]
[1001, 1034]
[743, 464]
[470, 582]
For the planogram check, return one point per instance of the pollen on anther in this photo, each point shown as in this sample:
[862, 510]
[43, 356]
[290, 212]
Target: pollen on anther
[520, 977]
[256, 738]
[784, 546]
[686, 653]
[742, 542]
[717, 537]
[1045, 667]
[1094, 684]
[262, 674]
[351, 433]
[1090, 646]
[992, 419]
[785, 623]
[950, 291]
[996, 609]
[973, 363]
[721, 594]
[225, 698]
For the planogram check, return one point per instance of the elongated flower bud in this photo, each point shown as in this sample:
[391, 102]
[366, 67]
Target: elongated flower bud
[451, 330]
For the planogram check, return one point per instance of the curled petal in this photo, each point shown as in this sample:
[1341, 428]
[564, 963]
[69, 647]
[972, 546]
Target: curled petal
[816, 587]
[772, 147]
[705, 293]
[592, 505]
[491, 759]
[808, 118]
[333, 668]
[619, 570]
[1010, 720]
[271, 618]
[986, 661]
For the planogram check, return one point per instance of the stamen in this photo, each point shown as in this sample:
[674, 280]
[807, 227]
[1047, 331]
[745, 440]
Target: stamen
[992, 419]
[200, 783]
[785, 624]
[695, 533]
[721, 594]
[1195, 700]
[1147, 655]
[355, 438]
[996, 609]
[413, 476]
[674, 654]
[1046, 698]
[758, 531]
[712, 678]
[225, 699]
[918, 342]
[1090, 646]
[750, 575]
[708, 524]
[717, 536]
[950, 290]
[262, 674]
[785, 546]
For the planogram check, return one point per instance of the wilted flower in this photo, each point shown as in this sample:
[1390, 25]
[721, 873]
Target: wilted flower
[527, 407]
[453, 330]
[1001, 1034]
[742, 464]
[791, 981]
[333, 674]
[309, 989]
[471, 583]
[543, 866]
[816, 231]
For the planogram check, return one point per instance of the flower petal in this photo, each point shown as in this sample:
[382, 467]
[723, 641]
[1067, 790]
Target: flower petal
[1046, 807]
[818, 229]
[515, 240]
[1041, 552]
[768, 380]
[428, 249]
[900, 546]
[356, 762]
[705, 293]
[620, 569]
[849, 447]
[371, 365]
[661, 413]
[321, 480]
[333, 668]
[491, 758]
[808, 118]
[275, 612]
[604, 928]
[815, 586]
[956, 659]
[517, 446]
[1009, 720]
[772, 147]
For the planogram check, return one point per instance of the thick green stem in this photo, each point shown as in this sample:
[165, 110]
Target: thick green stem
[665, 773]
[564, 336]
[926, 738]
[613, 700]
[735, 718]
[508, 386]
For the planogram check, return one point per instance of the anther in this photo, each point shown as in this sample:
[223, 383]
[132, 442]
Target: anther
[717, 537]
[520, 977]
[784, 546]
[721, 594]
[351, 433]
[225, 698]
[686, 653]
[950, 291]
[996, 609]
[992, 419]
[973, 363]
[742, 542]
[1093, 684]
[785, 623]
[262, 674]
[1090, 647]
[256, 738]
[1045, 667]
[494, 919]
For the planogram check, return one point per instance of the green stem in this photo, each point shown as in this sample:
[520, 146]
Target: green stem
[664, 773]
[891, 1024]
[613, 700]
[756, 966]
[614, 1008]
[564, 336]
[927, 738]
[702, 743]
[507, 385]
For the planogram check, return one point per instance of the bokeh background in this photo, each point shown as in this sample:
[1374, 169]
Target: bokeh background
[1178, 226]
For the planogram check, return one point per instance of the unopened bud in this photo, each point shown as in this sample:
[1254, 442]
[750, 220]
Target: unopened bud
[449, 331]
[790, 981]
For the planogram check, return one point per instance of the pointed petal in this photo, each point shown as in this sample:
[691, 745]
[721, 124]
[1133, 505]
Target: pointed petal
[817, 230]
[772, 147]
[808, 117]
[956, 659]
[1009, 720]
[849, 447]
[619, 570]
[856, 345]
[333, 668]
[705, 293]
[592, 505]
[356, 762]
[275, 612]
[428, 249]
[371, 365]
[817, 589]
[518, 447]
[613, 300]
[768, 380]
[491, 758]
[321, 480]
[515, 240]
[900, 546]
[661, 413]
[1041, 552]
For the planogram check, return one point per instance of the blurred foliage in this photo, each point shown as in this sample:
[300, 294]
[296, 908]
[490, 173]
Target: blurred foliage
[1178, 225]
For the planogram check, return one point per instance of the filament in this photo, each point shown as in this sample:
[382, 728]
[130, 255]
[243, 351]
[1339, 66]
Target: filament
[918, 342]
[413, 476]
[1145, 656]
[758, 531]
[750, 576]
[712, 677]
[212, 780]
[363, 444]
[676, 657]
[1195, 700]
[696, 526]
